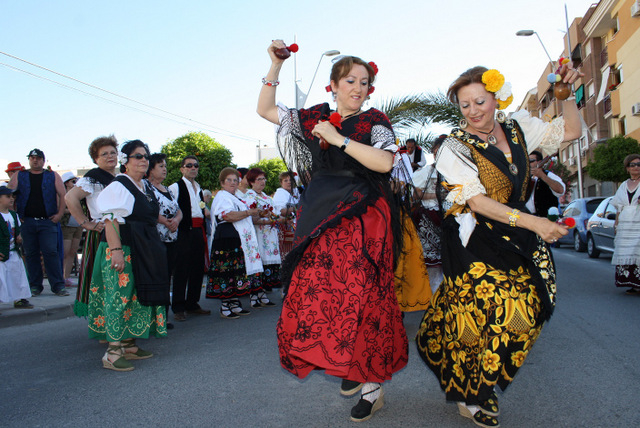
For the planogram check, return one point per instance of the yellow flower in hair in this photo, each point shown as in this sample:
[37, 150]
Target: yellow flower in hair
[504, 104]
[493, 80]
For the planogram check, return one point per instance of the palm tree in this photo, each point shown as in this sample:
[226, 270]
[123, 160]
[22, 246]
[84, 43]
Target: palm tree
[411, 114]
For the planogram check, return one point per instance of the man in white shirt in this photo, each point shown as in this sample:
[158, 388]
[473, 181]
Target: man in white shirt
[416, 156]
[547, 187]
[192, 247]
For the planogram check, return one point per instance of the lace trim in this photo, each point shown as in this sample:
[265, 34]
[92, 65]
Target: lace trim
[553, 137]
[383, 138]
[461, 194]
[89, 186]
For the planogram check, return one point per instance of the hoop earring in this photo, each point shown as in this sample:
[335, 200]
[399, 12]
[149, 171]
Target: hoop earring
[501, 117]
[463, 123]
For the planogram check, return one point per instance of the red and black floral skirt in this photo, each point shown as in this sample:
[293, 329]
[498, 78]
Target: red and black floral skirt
[341, 314]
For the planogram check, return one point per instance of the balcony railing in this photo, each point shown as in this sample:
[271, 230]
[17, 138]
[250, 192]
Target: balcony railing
[604, 57]
[606, 102]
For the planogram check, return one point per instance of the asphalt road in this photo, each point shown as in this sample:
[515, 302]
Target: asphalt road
[583, 372]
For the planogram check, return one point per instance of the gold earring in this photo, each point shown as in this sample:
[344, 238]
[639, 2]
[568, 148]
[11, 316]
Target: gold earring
[463, 123]
[501, 117]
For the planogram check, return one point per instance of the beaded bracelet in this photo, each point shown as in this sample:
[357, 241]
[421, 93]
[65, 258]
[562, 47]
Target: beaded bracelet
[513, 217]
[86, 220]
[115, 249]
[270, 82]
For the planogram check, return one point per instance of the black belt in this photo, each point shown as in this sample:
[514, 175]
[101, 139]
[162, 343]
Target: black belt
[39, 218]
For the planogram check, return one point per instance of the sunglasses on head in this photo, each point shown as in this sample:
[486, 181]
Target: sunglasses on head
[191, 165]
[631, 164]
[139, 156]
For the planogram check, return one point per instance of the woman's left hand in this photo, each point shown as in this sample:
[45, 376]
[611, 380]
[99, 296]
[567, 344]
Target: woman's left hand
[549, 231]
[172, 224]
[569, 74]
[326, 130]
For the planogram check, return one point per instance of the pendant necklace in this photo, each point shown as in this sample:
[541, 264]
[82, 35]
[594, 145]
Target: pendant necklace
[491, 139]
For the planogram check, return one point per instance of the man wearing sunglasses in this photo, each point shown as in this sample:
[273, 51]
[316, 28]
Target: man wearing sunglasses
[40, 203]
[547, 187]
[192, 249]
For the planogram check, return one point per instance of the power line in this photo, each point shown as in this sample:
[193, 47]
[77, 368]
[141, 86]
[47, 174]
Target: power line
[207, 127]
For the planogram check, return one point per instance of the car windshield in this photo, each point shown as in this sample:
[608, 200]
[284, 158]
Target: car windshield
[592, 205]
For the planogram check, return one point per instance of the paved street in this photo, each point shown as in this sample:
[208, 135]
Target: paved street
[583, 372]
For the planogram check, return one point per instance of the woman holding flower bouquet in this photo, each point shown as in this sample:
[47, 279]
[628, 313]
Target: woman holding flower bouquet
[340, 313]
[499, 277]
[236, 264]
[267, 234]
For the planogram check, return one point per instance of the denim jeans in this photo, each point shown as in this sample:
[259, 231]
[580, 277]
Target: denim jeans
[41, 236]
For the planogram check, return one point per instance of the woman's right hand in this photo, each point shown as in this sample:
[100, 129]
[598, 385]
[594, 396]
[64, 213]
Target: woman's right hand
[273, 47]
[117, 261]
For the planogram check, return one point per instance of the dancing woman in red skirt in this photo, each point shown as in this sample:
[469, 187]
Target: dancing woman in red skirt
[340, 313]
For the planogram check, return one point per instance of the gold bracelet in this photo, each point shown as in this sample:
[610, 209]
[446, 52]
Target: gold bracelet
[513, 217]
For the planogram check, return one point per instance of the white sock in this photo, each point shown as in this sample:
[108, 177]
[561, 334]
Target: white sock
[368, 388]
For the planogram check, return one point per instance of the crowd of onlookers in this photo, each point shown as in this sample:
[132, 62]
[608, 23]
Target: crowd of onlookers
[56, 217]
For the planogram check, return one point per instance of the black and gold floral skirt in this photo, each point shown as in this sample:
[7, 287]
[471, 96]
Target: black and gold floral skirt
[484, 318]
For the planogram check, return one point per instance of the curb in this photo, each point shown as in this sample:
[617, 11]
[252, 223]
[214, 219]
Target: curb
[18, 317]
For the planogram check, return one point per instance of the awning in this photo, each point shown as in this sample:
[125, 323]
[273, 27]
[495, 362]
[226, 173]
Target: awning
[603, 85]
[579, 94]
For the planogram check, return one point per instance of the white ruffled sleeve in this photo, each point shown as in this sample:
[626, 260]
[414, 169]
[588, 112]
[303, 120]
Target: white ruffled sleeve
[115, 202]
[546, 136]
[460, 174]
[222, 205]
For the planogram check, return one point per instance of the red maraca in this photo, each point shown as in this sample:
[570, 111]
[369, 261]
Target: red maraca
[569, 222]
[284, 53]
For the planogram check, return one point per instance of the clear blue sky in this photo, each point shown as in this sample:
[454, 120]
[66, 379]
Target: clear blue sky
[204, 60]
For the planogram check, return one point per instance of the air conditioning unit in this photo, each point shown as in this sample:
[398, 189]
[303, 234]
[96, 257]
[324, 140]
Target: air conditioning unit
[635, 109]
[572, 162]
[635, 9]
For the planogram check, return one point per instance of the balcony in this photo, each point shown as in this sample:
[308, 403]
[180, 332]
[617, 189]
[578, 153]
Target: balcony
[604, 57]
[606, 103]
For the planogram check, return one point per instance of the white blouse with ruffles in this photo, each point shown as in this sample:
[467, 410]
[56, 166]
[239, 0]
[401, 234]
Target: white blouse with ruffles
[115, 201]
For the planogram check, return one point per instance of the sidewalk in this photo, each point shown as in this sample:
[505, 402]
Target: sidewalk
[47, 307]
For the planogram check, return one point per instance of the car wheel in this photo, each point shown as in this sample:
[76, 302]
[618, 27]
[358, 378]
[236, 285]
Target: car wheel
[592, 251]
[578, 245]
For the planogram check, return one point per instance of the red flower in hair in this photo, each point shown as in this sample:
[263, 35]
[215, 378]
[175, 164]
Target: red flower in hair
[374, 66]
[293, 48]
[371, 89]
[328, 88]
[336, 120]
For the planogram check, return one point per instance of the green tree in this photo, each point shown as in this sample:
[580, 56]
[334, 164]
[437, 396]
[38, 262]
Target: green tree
[607, 163]
[272, 169]
[411, 114]
[212, 157]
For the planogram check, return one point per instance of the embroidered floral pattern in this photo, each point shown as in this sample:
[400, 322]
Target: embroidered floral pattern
[114, 308]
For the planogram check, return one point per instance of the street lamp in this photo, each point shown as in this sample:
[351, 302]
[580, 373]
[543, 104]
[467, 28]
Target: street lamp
[576, 147]
[527, 33]
[302, 97]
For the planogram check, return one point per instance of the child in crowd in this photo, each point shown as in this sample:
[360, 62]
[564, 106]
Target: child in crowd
[14, 285]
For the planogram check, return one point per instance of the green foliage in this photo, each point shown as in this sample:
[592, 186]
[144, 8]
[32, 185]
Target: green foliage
[272, 169]
[212, 157]
[561, 171]
[607, 163]
[411, 114]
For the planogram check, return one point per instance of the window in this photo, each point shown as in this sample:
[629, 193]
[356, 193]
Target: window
[587, 49]
[610, 211]
[591, 90]
[594, 133]
[622, 125]
[593, 204]
[616, 76]
[584, 143]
